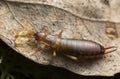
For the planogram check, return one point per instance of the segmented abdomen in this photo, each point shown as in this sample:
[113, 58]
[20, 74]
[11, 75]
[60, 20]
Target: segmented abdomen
[80, 47]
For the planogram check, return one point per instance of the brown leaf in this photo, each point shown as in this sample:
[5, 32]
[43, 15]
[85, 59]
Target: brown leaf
[15, 18]
[96, 10]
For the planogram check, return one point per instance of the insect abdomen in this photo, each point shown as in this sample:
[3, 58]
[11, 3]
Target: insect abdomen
[80, 47]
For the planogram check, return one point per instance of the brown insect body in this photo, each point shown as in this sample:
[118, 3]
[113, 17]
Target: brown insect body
[80, 47]
[74, 47]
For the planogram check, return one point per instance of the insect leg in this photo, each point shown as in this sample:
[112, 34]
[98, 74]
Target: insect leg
[72, 57]
[54, 53]
[60, 34]
[38, 49]
[46, 32]
[53, 56]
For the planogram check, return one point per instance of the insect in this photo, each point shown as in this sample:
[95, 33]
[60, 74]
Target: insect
[73, 47]
[70, 47]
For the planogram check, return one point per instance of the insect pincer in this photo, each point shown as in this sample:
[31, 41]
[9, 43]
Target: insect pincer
[110, 49]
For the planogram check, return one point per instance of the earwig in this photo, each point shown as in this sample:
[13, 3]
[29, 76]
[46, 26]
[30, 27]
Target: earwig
[74, 47]
[69, 47]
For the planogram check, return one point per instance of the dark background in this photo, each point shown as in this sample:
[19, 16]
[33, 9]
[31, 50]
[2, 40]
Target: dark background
[16, 66]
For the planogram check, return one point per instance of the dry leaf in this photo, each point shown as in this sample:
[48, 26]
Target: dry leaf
[15, 17]
[96, 10]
